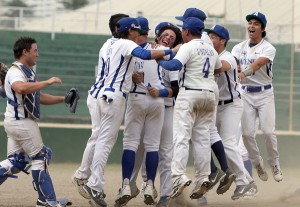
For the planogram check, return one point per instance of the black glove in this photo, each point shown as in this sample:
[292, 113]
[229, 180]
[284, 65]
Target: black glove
[71, 99]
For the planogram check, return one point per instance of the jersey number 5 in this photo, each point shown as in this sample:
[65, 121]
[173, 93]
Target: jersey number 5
[205, 68]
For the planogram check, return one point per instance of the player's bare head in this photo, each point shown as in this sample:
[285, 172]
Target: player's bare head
[23, 43]
[169, 36]
[113, 22]
[3, 71]
[192, 12]
[257, 17]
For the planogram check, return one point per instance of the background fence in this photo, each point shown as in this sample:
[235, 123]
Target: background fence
[73, 57]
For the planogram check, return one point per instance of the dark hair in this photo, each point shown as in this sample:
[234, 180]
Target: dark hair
[3, 71]
[122, 34]
[176, 30]
[21, 44]
[195, 34]
[113, 21]
[264, 33]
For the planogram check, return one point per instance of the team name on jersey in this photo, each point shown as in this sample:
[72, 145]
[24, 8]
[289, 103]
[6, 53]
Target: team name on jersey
[139, 65]
[205, 52]
[245, 61]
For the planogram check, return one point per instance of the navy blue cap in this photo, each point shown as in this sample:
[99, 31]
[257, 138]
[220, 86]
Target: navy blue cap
[143, 22]
[161, 25]
[128, 23]
[193, 24]
[192, 12]
[220, 31]
[259, 16]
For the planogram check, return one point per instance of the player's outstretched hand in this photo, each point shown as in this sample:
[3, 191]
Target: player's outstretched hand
[241, 76]
[153, 92]
[53, 80]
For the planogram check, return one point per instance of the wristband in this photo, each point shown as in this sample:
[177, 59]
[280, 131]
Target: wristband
[248, 71]
[163, 92]
[168, 52]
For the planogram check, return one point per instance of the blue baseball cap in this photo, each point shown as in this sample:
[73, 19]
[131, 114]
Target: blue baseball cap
[128, 23]
[220, 31]
[259, 16]
[193, 24]
[161, 25]
[192, 12]
[143, 22]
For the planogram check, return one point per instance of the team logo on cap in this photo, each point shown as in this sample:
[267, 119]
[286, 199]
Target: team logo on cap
[134, 26]
[255, 13]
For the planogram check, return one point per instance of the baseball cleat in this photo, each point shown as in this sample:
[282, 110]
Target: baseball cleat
[97, 198]
[226, 182]
[243, 191]
[215, 177]
[79, 183]
[261, 171]
[179, 185]
[124, 193]
[200, 189]
[277, 173]
[149, 194]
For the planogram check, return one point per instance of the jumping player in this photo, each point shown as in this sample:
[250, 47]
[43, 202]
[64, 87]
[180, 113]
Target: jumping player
[114, 93]
[22, 110]
[82, 174]
[230, 105]
[256, 56]
[196, 93]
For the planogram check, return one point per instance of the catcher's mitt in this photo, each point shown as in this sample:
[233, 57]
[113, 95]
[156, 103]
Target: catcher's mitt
[3, 71]
[71, 99]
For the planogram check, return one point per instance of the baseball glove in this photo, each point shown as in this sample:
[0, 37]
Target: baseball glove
[71, 99]
[3, 71]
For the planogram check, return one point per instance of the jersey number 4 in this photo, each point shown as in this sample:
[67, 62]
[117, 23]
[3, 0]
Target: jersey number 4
[205, 68]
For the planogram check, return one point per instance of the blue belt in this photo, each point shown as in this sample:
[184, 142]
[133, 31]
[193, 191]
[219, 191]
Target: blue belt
[256, 88]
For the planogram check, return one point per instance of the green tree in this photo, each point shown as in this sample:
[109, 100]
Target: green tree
[74, 4]
[15, 12]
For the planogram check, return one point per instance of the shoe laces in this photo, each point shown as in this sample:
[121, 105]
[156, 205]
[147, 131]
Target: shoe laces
[276, 170]
[260, 170]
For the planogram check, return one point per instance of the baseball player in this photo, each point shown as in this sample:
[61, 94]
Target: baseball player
[143, 114]
[225, 174]
[169, 36]
[22, 110]
[230, 106]
[114, 92]
[194, 107]
[256, 56]
[82, 174]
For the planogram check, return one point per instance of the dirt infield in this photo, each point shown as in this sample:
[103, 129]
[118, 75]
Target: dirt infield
[19, 192]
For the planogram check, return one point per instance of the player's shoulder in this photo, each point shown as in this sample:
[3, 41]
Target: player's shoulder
[266, 43]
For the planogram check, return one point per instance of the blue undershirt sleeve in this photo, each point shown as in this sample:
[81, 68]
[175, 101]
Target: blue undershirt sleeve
[171, 65]
[141, 53]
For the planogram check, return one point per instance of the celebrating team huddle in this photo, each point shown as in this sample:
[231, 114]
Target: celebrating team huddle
[177, 93]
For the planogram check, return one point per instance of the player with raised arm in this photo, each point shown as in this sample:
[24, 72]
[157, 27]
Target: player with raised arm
[256, 56]
[82, 174]
[114, 93]
[194, 107]
[230, 106]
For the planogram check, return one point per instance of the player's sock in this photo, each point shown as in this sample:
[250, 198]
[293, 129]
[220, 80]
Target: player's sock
[128, 160]
[213, 167]
[248, 166]
[218, 149]
[151, 164]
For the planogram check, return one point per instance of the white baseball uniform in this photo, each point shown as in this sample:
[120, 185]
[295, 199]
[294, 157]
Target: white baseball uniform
[116, 87]
[84, 172]
[194, 107]
[258, 98]
[230, 107]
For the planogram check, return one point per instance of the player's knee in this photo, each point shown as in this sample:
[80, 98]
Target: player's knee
[45, 155]
[19, 163]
